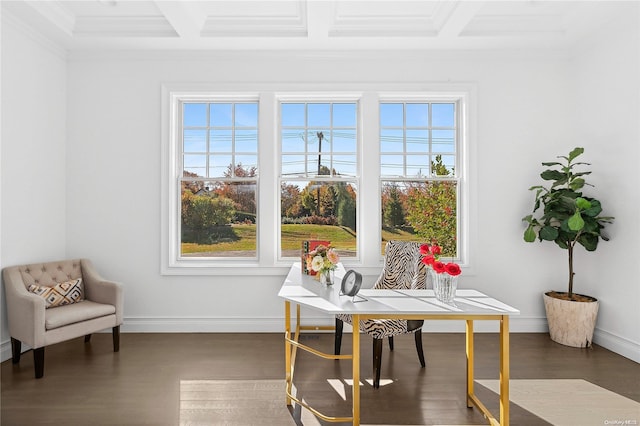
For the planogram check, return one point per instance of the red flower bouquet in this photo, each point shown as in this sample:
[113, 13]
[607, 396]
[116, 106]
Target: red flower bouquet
[431, 258]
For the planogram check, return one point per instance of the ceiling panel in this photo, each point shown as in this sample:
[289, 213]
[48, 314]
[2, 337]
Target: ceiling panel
[254, 18]
[314, 24]
[383, 19]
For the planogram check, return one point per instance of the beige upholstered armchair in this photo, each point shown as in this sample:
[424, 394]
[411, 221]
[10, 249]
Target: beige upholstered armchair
[52, 302]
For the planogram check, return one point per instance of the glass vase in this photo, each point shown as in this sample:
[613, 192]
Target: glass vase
[444, 286]
[327, 277]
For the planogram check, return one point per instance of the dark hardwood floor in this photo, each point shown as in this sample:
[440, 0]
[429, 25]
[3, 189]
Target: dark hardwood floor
[89, 384]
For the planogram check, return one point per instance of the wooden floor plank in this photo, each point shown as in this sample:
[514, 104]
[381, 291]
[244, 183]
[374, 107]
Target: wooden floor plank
[161, 379]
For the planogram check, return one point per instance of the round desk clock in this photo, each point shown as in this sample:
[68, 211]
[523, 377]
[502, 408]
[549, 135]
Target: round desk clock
[351, 283]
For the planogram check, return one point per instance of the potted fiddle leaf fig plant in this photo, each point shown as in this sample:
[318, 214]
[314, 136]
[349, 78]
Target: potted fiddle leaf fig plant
[564, 215]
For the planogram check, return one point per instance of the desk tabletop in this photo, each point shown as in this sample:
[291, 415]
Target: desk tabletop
[306, 291]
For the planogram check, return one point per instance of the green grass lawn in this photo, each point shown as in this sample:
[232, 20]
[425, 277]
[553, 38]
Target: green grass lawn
[246, 242]
[292, 236]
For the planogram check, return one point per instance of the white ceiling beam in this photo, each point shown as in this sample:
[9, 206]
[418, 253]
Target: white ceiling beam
[183, 16]
[319, 14]
[452, 17]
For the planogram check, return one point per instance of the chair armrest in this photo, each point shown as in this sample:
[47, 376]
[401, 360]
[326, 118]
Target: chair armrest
[25, 311]
[97, 289]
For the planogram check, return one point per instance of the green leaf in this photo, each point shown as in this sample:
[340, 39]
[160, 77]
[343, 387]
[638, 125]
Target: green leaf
[576, 152]
[581, 173]
[548, 233]
[582, 204]
[594, 209]
[576, 222]
[588, 241]
[577, 184]
[553, 175]
[529, 234]
[552, 163]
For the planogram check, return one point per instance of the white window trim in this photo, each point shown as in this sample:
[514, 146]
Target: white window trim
[269, 95]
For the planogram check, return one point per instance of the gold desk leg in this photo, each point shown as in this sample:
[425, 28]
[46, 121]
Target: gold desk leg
[355, 363]
[469, 344]
[287, 349]
[504, 370]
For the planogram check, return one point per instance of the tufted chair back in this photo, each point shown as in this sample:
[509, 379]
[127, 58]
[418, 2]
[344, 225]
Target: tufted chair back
[51, 273]
[403, 267]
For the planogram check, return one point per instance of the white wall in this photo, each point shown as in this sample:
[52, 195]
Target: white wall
[33, 185]
[606, 120]
[114, 167]
[530, 107]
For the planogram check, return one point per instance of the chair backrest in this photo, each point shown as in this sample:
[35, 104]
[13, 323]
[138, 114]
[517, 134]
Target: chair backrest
[50, 273]
[403, 267]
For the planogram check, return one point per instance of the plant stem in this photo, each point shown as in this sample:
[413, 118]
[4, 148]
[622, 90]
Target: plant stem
[571, 273]
[570, 270]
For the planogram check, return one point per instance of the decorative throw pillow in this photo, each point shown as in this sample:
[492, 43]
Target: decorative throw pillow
[64, 293]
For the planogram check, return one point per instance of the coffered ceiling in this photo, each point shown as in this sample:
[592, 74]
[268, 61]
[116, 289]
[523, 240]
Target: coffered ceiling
[312, 24]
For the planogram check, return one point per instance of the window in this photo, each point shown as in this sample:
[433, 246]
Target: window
[419, 173]
[218, 182]
[318, 175]
[248, 176]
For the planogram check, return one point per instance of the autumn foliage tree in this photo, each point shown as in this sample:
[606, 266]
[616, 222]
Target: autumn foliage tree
[431, 210]
[241, 193]
[392, 206]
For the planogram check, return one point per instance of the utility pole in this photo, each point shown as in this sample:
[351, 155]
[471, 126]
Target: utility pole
[320, 136]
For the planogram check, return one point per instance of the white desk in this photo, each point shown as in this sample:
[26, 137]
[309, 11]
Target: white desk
[469, 305]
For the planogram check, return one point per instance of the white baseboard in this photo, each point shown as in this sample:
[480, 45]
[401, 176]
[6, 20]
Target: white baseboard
[517, 324]
[617, 344]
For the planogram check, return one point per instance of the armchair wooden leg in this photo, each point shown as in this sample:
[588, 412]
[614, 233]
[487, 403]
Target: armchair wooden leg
[38, 362]
[87, 338]
[338, 336]
[418, 336]
[116, 338]
[16, 350]
[391, 343]
[377, 361]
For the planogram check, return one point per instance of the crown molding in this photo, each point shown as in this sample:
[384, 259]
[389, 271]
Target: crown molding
[15, 22]
[55, 13]
[108, 26]
[376, 56]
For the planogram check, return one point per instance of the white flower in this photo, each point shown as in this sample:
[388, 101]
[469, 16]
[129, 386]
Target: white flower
[317, 263]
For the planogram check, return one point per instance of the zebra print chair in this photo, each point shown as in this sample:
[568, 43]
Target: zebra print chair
[403, 269]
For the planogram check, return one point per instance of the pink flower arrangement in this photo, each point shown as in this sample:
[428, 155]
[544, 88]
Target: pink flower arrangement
[322, 259]
[431, 258]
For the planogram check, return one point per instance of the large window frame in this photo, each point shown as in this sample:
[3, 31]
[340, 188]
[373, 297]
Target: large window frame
[369, 96]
